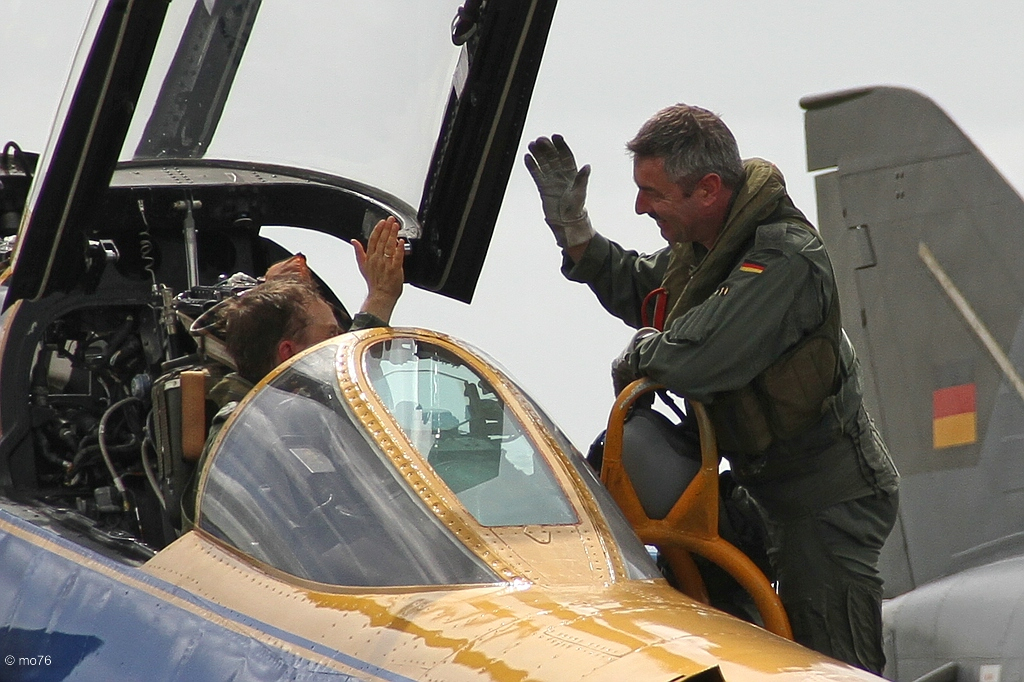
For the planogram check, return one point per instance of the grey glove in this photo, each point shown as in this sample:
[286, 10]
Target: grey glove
[563, 190]
[622, 372]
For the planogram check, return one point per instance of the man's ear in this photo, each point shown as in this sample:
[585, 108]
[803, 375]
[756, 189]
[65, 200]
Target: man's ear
[286, 348]
[709, 189]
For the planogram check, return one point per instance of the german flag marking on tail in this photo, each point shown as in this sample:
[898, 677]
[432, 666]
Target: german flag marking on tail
[954, 416]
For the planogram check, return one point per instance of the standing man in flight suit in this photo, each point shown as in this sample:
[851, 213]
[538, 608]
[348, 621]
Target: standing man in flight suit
[753, 332]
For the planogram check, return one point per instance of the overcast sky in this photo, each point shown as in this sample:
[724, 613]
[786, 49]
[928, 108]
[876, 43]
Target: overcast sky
[609, 66]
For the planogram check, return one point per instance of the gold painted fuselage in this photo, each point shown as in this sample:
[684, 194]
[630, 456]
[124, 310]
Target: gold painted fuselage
[629, 630]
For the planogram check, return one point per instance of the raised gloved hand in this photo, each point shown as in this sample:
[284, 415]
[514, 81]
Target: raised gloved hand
[563, 190]
[622, 372]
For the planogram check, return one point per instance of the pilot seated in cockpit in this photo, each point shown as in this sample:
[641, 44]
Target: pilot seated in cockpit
[285, 315]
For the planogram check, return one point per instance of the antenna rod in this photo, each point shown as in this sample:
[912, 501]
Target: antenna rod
[972, 319]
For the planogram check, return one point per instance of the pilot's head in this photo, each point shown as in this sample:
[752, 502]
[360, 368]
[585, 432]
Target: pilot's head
[687, 166]
[274, 321]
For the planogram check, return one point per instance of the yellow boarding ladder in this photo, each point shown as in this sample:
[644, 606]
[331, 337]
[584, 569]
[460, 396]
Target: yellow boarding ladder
[692, 523]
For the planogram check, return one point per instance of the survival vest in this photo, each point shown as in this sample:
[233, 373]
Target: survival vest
[794, 392]
[788, 397]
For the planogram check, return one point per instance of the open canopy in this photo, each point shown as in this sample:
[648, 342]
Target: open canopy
[416, 116]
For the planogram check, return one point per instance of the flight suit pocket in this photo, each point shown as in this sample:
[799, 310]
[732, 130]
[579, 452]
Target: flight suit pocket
[699, 322]
[865, 617]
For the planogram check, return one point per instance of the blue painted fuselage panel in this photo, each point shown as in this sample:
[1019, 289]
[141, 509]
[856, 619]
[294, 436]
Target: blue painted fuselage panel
[62, 619]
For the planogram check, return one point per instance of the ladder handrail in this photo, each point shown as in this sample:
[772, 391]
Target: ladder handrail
[691, 526]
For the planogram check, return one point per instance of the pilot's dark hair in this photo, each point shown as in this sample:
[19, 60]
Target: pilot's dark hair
[259, 319]
[693, 142]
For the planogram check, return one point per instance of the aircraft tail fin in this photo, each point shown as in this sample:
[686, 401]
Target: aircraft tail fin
[926, 240]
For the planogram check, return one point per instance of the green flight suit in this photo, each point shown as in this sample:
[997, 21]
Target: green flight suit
[830, 491]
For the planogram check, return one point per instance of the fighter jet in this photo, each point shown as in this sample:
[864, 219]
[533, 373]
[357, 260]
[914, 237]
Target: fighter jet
[389, 504]
[926, 238]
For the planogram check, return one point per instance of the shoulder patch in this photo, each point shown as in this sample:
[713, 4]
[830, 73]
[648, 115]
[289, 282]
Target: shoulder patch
[784, 237]
[752, 267]
[771, 237]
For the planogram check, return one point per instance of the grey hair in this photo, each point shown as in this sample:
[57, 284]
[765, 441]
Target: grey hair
[692, 142]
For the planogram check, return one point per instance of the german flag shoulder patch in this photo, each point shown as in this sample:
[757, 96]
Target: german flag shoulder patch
[752, 266]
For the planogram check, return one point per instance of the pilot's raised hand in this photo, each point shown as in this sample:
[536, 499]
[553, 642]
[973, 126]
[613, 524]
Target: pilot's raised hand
[563, 190]
[380, 264]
